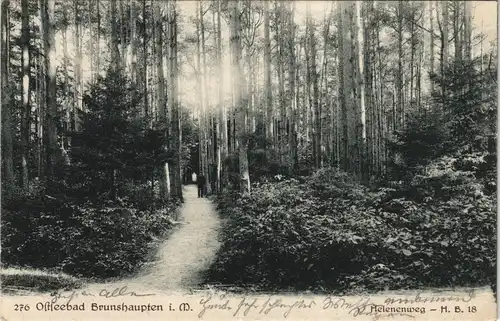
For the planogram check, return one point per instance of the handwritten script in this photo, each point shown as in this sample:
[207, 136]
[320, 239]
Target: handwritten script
[379, 307]
[244, 305]
[355, 306]
[67, 297]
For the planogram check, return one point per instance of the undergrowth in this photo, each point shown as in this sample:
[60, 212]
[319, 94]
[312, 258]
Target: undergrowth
[327, 233]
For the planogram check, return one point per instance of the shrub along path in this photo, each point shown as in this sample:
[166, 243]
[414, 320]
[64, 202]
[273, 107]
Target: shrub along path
[185, 254]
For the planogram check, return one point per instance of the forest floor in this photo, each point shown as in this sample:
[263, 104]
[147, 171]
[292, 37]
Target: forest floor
[183, 257]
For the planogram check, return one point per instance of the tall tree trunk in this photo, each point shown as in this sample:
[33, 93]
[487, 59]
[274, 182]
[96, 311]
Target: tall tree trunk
[316, 107]
[160, 83]
[349, 90]
[176, 189]
[123, 43]
[258, 114]
[250, 108]
[481, 66]
[223, 111]
[467, 30]
[357, 87]
[144, 59]
[115, 66]
[308, 106]
[456, 30]
[366, 16]
[323, 92]
[412, 58]
[267, 75]
[431, 51]
[334, 106]
[382, 127]
[133, 42]
[292, 69]
[51, 119]
[7, 154]
[253, 113]
[375, 100]
[445, 41]
[91, 42]
[115, 51]
[153, 70]
[98, 37]
[221, 127]
[280, 32]
[216, 137]
[343, 149]
[77, 65]
[199, 87]
[68, 105]
[304, 129]
[37, 118]
[467, 33]
[399, 80]
[205, 103]
[26, 94]
[240, 95]
[324, 97]
[419, 75]
[42, 105]
[360, 89]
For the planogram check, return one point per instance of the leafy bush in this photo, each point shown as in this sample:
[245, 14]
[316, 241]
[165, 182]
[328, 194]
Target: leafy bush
[423, 139]
[97, 215]
[463, 116]
[81, 239]
[333, 234]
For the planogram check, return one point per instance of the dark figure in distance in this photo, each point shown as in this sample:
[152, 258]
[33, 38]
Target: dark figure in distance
[200, 181]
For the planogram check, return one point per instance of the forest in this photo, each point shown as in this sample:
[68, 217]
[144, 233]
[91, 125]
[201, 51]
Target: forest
[347, 145]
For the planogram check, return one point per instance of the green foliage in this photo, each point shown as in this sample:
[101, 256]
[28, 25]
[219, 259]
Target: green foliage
[423, 140]
[115, 145]
[81, 240]
[462, 116]
[468, 98]
[306, 162]
[98, 215]
[329, 233]
[263, 162]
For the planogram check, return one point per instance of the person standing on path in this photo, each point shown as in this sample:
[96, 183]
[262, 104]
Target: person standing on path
[201, 185]
[193, 177]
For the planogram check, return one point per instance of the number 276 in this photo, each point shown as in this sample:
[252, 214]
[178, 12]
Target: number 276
[21, 307]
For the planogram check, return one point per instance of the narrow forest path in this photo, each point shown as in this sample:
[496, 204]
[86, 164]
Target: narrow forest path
[185, 254]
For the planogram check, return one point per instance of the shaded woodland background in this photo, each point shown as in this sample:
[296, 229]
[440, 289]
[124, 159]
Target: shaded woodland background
[357, 130]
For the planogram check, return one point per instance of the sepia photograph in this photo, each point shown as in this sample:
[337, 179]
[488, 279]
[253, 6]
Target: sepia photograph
[247, 159]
